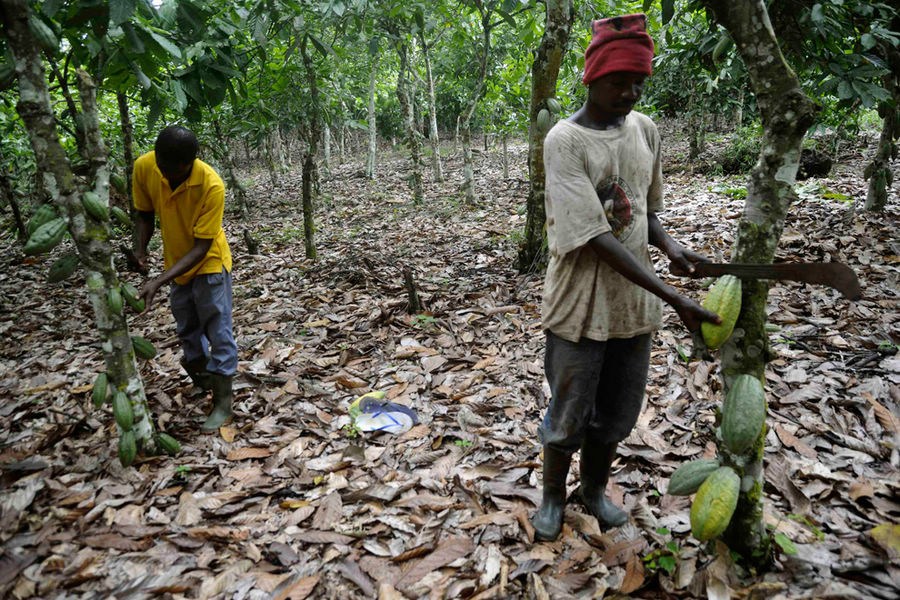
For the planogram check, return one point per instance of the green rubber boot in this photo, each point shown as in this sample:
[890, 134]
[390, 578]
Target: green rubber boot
[596, 459]
[222, 399]
[548, 520]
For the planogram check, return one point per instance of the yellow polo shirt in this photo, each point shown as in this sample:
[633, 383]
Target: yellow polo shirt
[192, 211]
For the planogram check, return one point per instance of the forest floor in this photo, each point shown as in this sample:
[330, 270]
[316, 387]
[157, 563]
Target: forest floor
[291, 502]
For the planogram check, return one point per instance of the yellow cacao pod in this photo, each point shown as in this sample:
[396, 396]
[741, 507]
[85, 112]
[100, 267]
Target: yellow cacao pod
[724, 299]
[714, 504]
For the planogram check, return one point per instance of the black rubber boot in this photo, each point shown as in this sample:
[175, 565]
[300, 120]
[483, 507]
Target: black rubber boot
[547, 521]
[596, 460]
[196, 370]
[222, 399]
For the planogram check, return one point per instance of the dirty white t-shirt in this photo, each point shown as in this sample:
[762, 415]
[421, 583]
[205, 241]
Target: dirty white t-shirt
[599, 181]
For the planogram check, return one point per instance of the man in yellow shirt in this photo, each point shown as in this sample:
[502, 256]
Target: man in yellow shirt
[188, 196]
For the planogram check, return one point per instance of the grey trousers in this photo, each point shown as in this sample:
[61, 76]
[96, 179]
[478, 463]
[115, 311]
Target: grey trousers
[202, 310]
[597, 390]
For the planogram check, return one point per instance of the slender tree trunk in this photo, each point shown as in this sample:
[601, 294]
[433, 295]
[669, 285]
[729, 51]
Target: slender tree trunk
[91, 237]
[7, 195]
[413, 137]
[310, 174]
[437, 170]
[504, 136]
[544, 74]
[786, 115]
[469, 111]
[373, 132]
[128, 156]
[326, 150]
[878, 172]
[239, 192]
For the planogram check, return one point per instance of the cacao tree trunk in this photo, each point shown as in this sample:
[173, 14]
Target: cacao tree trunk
[238, 191]
[8, 196]
[413, 136]
[437, 170]
[466, 117]
[128, 156]
[504, 137]
[373, 133]
[786, 114]
[310, 173]
[326, 150]
[544, 74]
[878, 172]
[91, 237]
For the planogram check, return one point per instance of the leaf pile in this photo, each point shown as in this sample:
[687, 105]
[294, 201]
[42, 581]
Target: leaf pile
[292, 502]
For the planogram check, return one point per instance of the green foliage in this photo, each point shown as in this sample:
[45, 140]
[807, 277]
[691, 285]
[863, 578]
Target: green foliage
[741, 152]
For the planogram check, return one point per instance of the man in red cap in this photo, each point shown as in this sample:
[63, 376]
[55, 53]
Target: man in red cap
[601, 294]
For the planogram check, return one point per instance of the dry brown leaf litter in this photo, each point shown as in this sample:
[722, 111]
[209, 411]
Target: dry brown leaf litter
[287, 503]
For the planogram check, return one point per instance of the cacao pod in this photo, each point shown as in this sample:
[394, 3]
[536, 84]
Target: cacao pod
[43, 34]
[114, 300]
[130, 293]
[543, 120]
[62, 268]
[554, 105]
[688, 478]
[121, 216]
[46, 237]
[142, 347]
[123, 411]
[743, 414]
[119, 184]
[168, 444]
[714, 504]
[98, 395]
[94, 206]
[724, 299]
[127, 448]
[44, 214]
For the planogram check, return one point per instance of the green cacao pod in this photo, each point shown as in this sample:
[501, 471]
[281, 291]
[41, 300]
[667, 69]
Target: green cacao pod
[44, 214]
[127, 448]
[62, 268]
[714, 504]
[119, 184]
[724, 299]
[121, 216]
[46, 237]
[543, 120]
[43, 34]
[123, 411]
[554, 105]
[743, 414]
[688, 478]
[114, 300]
[130, 293]
[98, 395]
[168, 444]
[94, 206]
[142, 347]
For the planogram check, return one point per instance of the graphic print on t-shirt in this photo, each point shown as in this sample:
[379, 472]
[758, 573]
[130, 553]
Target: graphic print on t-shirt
[614, 194]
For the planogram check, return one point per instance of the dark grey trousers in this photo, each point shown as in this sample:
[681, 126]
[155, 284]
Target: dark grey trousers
[597, 390]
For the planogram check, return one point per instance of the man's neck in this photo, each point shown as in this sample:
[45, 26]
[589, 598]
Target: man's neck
[586, 118]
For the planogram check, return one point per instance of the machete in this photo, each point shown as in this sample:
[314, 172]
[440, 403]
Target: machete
[833, 274]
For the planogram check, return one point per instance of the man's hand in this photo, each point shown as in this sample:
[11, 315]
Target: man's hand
[683, 260]
[692, 314]
[148, 291]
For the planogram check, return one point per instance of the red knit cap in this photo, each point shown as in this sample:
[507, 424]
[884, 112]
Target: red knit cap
[618, 44]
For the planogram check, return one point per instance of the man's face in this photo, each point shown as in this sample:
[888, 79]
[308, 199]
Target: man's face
[615, 94]
[174, 171]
